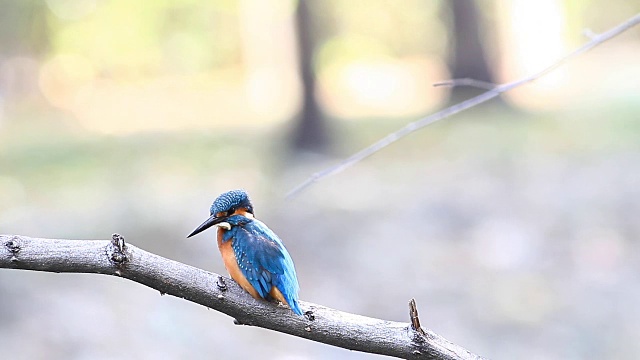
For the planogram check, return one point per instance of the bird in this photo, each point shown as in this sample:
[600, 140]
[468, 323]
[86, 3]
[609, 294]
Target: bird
[253, 254]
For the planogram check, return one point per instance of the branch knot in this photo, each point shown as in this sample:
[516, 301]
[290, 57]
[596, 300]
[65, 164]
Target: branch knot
[14, 248]
[118, 250]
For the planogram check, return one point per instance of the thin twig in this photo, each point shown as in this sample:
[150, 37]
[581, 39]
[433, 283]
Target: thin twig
[596, 40]
[467, 82]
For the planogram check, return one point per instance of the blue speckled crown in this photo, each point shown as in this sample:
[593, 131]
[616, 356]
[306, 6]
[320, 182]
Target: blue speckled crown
[230, 199]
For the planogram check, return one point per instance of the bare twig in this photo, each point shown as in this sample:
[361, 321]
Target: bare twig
[595, 40]
[467, 82]
[319, 323]
[415, 319]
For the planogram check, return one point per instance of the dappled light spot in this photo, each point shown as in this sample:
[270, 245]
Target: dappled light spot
[64, 77]
[72, 9]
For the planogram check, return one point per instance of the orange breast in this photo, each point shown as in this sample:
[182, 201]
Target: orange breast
[230, 262]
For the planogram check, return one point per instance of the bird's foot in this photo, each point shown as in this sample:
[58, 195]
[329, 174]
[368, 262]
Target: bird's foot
[221, 284]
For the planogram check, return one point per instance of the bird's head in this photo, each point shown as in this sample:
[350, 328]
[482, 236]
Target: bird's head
[234, 202]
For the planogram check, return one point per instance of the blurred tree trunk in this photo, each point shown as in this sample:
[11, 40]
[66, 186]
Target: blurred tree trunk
[23, 28]
[25, 38]
[310, 132]
[467, 55]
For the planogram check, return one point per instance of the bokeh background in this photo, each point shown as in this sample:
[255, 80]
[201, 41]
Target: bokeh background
[514, 225]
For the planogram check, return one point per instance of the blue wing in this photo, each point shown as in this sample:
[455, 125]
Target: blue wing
[265, 262]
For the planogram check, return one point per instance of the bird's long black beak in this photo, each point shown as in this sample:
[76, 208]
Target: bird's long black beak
[207, 224]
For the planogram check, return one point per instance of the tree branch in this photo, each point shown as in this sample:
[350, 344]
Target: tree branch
[492, 92]
[214, 291]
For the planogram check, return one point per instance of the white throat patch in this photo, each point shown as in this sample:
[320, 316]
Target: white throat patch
[225, 225]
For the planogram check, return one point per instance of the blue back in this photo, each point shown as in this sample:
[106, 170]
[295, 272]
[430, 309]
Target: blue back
[263, 259]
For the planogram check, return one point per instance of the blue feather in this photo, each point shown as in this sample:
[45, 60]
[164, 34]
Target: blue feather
[263, 259]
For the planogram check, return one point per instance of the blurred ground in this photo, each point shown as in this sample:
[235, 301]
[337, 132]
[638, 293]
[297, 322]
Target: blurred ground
[517, 234]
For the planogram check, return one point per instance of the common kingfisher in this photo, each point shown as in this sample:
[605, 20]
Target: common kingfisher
[253, 254]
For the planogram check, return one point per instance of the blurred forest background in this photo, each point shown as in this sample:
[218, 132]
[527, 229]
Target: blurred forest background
[514, 225]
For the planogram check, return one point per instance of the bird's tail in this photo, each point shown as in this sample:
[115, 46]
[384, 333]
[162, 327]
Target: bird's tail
[295, 307]
[288, 297]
